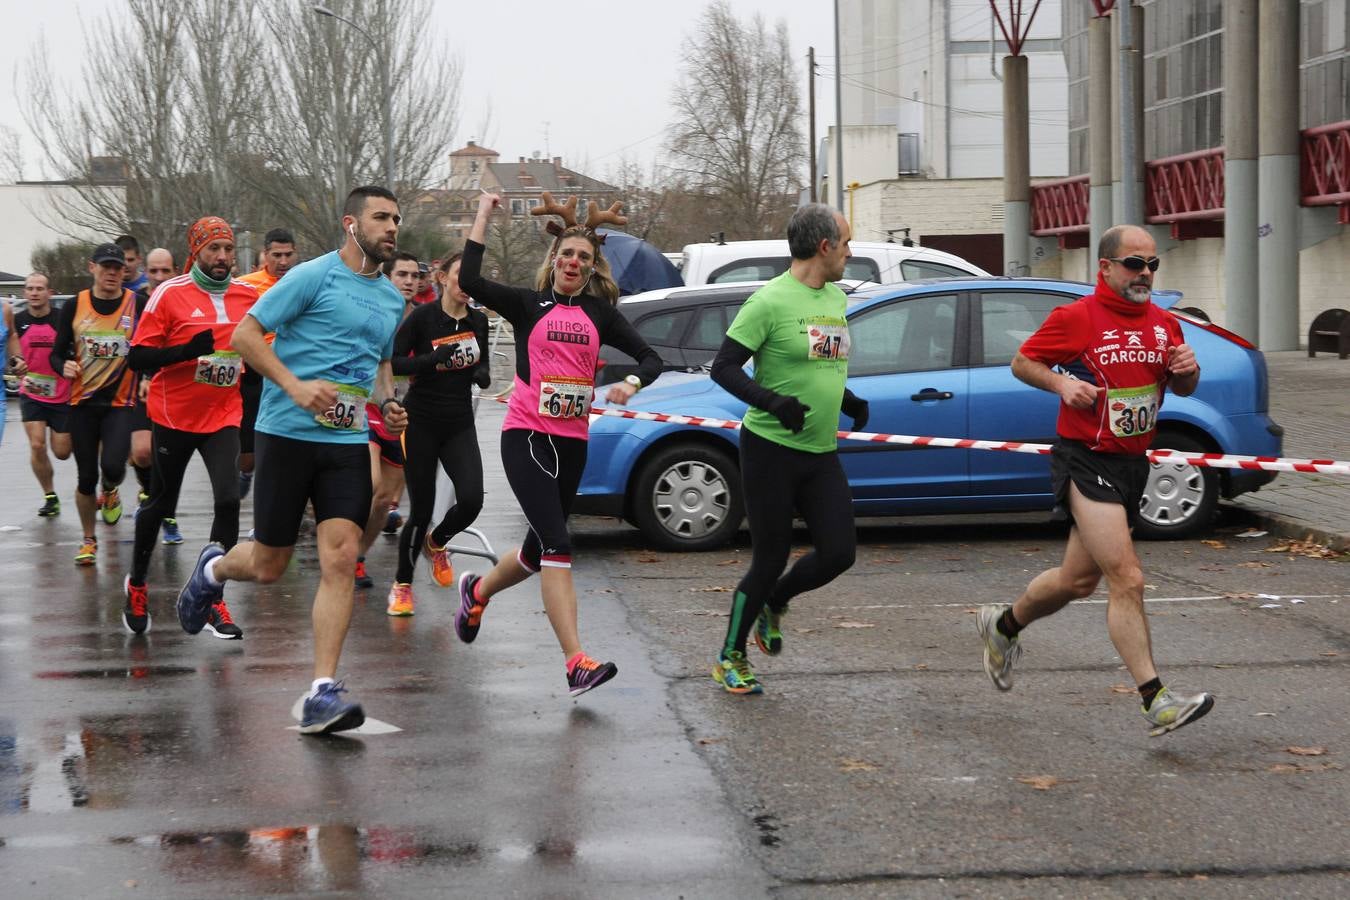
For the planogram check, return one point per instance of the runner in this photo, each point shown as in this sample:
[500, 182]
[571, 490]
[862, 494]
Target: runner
[334, 319]
[278, 258]
[183, 339]
[1121, 353]
[795, 329]
[93, 336]
[133, 279]
[386, 450]
[424, 289]
[158, 269]
[44, 394]
[559, 327]
[444, 347]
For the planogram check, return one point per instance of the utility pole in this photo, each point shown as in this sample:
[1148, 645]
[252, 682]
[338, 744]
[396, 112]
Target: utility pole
[1130, 211]
[837, 177]
[811, 93]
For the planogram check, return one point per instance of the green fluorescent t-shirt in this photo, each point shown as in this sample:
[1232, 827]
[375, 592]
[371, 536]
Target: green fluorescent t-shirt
[800, 340]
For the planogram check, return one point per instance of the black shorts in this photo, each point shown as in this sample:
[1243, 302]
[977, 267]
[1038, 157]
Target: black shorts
[140, 417]
[288, 474]
[56, 415]
[250, 388]
[391, 448]
[1104, 477]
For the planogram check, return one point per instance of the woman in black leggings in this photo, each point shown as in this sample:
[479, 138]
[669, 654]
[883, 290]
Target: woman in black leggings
[444, 347]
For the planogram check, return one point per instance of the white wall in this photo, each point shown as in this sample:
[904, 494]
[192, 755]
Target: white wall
[37, 214]
[968, 206]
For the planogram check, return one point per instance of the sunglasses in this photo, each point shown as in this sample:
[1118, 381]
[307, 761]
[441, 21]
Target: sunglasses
[1137, 263]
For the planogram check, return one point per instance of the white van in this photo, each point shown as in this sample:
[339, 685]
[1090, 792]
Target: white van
[882, 263]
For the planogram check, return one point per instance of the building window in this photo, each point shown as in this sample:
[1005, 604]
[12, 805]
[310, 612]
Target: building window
[909, 154]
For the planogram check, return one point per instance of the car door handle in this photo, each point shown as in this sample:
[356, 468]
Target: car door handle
[931, 394]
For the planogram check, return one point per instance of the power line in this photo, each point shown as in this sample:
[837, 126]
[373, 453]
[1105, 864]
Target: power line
[956, 109]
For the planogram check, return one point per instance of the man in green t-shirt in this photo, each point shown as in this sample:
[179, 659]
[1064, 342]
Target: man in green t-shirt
[795, 329]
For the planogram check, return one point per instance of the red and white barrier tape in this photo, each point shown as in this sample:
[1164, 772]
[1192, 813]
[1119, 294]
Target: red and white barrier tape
[1210, 460]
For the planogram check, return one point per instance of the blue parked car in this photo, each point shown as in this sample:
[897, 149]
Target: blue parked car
[932, 358]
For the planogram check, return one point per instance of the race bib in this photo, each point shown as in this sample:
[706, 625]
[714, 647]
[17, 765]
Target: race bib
[827, 342]
[105, 344]
[348, 412]
[1133, 411]
[466, 350]
[401, 385]
[220, 369]
[564, 397]
[39, 385]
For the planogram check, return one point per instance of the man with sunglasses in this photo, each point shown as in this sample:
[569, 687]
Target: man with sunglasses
[1116, 353]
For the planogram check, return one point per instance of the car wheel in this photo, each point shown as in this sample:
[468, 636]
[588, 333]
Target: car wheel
[1179, 500]
[688, 497]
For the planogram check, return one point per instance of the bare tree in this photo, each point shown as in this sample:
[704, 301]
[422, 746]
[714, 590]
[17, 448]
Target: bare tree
[11, 155]
[264, 114]
[736, 137]
[515, 249]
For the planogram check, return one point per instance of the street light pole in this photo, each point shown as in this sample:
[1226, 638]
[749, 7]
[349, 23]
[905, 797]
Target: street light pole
[385, 90]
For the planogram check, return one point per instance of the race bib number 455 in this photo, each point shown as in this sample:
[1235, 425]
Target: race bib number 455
[1133, 411]
[348, 412]
[564, 397]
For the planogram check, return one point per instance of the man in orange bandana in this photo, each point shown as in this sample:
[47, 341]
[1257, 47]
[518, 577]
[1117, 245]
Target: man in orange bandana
[194, 403]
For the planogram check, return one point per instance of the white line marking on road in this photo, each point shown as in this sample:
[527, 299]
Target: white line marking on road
[1093, 600]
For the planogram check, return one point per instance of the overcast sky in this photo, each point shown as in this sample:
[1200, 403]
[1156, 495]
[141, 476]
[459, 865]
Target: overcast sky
[632, 48]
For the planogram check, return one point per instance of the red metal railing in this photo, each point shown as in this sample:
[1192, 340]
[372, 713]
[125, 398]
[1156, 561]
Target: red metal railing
[1324, 177]
[1184, 188]
[1060, 207]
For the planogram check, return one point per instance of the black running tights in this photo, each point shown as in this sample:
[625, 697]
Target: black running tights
[427, 445]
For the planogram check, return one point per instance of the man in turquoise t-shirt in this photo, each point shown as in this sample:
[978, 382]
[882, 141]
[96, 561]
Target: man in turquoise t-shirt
[795, 329]
[334, 319]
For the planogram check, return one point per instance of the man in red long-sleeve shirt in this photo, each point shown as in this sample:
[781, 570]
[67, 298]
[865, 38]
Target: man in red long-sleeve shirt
[1120, 353]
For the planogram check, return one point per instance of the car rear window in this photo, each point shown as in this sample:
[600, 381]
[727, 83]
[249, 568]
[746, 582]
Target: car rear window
[917, 335]
[1007, 318]
[914, 270]
[664, 329]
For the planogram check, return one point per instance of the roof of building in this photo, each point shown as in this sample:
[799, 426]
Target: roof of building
[474, 150]
[545, 175]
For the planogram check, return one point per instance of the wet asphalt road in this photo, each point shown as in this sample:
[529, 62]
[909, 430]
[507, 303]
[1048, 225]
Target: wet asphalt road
[880, 762]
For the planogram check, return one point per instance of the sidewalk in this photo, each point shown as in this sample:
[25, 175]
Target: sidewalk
[1311, 399]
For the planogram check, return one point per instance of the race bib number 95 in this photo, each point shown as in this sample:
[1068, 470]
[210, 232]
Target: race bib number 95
[563, 397]
[348, 412]
[1133, 411]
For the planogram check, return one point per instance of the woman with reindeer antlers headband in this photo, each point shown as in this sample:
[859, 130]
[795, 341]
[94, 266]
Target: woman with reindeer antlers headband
[559, 327]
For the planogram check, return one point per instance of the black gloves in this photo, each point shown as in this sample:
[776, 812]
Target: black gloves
[201, 344]
[482, 378]
[444, 354]
[790, 411]
[856, 409]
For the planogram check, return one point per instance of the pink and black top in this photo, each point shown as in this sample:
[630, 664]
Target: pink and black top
[558, 342]
[36, 337]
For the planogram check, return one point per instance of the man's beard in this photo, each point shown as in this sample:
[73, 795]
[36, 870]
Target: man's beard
[1138, 293]
[375, 252]
[219, 271]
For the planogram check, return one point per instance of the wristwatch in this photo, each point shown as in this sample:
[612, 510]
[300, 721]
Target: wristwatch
[635, 381]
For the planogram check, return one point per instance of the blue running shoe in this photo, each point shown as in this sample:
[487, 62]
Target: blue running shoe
[245, 482]
[199, 595]
[326, 711]
[171, 533]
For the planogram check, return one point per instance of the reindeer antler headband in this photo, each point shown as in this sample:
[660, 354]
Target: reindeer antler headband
[568, 213]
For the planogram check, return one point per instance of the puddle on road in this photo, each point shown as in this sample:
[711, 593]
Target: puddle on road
[129, 671]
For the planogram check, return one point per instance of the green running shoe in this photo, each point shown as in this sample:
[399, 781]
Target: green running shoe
[110, 502]
[1169, 711]
[768, 633]
[732, 671]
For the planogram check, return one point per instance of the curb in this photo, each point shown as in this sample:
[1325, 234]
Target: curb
[1288, 527]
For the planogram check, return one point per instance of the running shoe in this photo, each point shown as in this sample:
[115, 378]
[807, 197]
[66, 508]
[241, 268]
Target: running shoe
[136, 612]
[87, 553]
[245, 482]
[362, 579]
[999, 652]
[732, 671]
[442, 572]
[326, 712]
[141, 497]
[768, 635]
[469, 616]
[51, 506]
[221, 625]
[199, 594]
[1169, 711]
[110, 502]
[587, 674]
[171, 533]
[394, 522]
[400, 600]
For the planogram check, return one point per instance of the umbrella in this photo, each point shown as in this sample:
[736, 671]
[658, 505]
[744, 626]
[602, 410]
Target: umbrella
[637, 266]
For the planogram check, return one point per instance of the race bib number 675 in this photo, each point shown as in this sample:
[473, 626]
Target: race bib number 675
[564, 397]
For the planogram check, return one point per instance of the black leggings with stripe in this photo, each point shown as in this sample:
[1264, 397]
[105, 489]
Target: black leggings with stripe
[778, 482]
[544, 472]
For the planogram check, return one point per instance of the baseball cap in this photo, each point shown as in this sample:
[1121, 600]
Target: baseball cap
[108, 253]
[423, 269]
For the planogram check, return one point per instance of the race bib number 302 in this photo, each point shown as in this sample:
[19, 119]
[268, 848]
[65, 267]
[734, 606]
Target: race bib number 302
[1133, 411]
[348, 412]
[465, 349]
[564, 397]
[219, 369]
[827, 342]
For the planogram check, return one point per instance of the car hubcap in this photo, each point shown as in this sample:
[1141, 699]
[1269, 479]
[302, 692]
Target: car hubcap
[1173, 493]
[691, 499]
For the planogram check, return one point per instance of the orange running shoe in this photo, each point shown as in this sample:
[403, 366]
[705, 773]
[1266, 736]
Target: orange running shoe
[87, 553]
[442, 572]
[400, 600]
